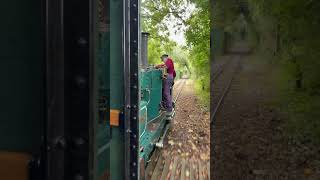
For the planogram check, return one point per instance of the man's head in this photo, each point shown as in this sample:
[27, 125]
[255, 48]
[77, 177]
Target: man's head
[164, 57]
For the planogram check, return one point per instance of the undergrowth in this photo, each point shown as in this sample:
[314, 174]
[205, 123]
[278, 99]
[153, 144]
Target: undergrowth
[300, 108]
[202, 89]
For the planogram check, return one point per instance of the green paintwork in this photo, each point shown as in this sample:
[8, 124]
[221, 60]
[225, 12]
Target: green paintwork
[103, 132]
[142, 117]
[116, 59]
[150, 137]
[117, 153]
[151, 88]
[21, 71]
[151, 121]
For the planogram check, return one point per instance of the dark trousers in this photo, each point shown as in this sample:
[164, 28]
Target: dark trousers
[167, 92]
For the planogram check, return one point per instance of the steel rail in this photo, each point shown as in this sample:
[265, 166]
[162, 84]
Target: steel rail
[215, 77]
[220, 71]
[178, 95]
[225, 92]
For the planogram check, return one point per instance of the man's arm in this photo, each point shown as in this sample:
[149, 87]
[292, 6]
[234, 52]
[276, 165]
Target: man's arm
[160, 66]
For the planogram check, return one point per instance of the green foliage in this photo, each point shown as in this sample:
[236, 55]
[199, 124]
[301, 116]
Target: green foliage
[156, 12]
[198, 40]
[298, 24]
[302, 109]
[154, 15]
[157, 48]
[193, 58]
[181, 58]
[288, 29]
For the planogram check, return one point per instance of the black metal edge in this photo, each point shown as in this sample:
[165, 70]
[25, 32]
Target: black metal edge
[37, 165]
[93, 90]
[127, 93]
[77, 87]
[131, 31]
[134, 86]
[69, 55]
[55, 129]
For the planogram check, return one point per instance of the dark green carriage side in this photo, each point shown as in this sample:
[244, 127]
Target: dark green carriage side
[22, 92]
[103, 131]
[117, 87]
[22, 105]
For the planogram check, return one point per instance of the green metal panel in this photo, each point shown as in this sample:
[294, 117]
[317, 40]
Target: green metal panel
[117, 154]
[156, 94]
[116, 87]
[142, 117]
[22, 76]
[151, 88]
[149, 137]
[116, 61]
[103, 133]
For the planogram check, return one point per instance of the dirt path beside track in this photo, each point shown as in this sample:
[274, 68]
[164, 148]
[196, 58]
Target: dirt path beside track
[248, 140]
[186, 150]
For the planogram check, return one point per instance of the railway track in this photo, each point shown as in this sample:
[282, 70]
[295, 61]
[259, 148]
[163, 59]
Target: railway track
[168, 166]
[222, 86]
[164, 165]
[220, 69]
[179, 88]
[152, 170]
[173, 168]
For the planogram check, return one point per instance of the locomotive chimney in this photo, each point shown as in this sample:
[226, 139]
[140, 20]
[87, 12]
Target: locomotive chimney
[144, 49]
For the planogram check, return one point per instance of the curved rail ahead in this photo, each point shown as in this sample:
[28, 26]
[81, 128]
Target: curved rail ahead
[225, 92]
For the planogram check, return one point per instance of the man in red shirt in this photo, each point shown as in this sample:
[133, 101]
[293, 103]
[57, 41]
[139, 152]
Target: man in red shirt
[168, 81]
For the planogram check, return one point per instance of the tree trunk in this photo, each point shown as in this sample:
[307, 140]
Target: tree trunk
[277, 43]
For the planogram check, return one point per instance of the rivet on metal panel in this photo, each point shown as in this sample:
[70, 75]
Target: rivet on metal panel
[135, 87]
[129, 131]
[134, 19]
[78, 177]
[79, 141]
[134, 5]
[128, 106]
[136, 54]
[60, 142]
[134, 164]
[133, 175]
[135, 74]
[81, 81]
[134, 118]
[82, 41]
